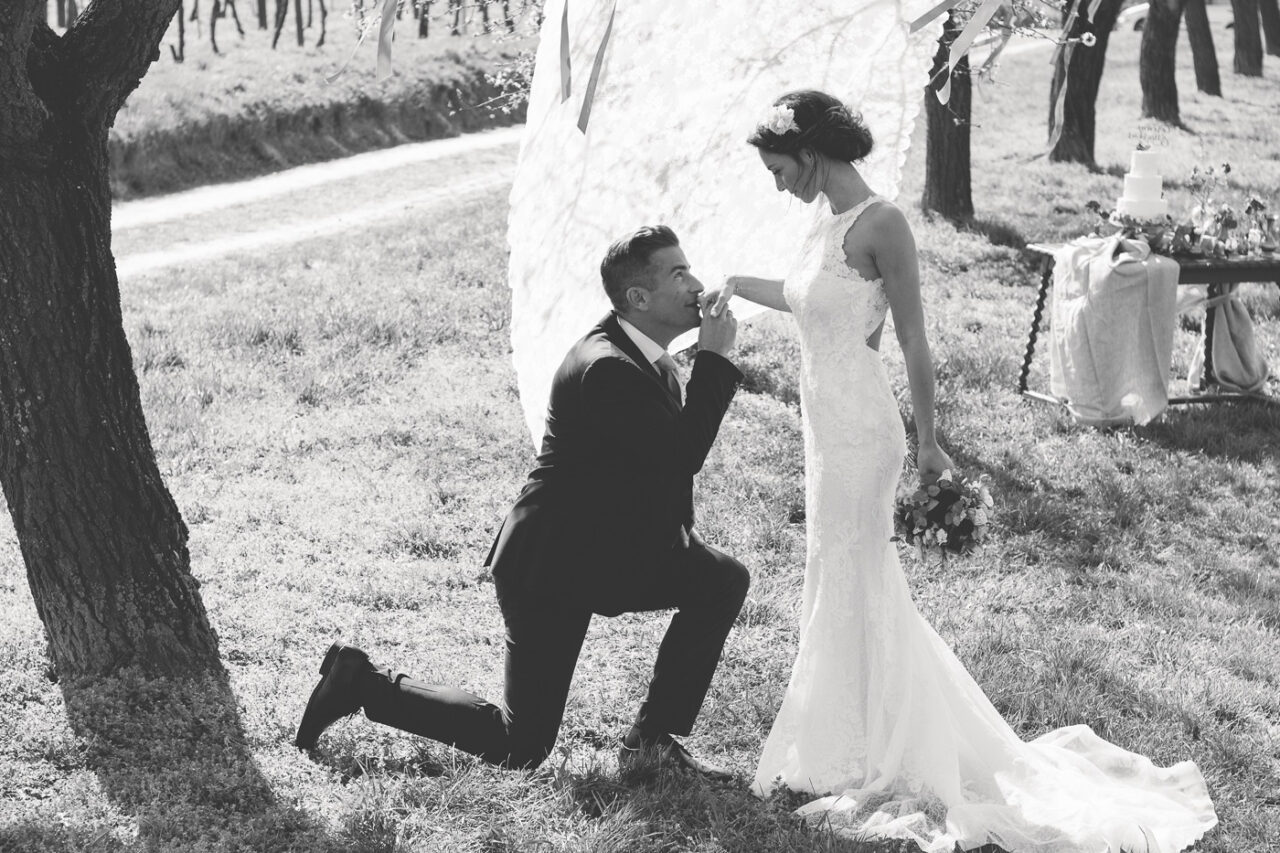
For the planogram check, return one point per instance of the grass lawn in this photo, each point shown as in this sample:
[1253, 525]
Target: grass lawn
[338, 422]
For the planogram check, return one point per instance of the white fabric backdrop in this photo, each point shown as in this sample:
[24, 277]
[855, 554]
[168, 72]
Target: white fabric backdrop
[681, 88]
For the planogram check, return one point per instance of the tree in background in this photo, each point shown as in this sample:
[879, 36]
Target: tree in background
[104, 544]
[1157, 61]
[1270, 13]
[1203, 55]
[1248, 39]
[1079, 67]
[947, 184]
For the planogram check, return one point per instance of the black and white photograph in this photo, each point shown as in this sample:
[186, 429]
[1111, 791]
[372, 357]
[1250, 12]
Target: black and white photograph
[639, 426]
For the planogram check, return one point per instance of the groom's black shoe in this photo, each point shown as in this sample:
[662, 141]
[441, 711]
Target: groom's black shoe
[336, 696]
[669, 752]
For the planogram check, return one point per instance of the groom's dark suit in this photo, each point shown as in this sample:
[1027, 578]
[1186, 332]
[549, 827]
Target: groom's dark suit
[601, 526]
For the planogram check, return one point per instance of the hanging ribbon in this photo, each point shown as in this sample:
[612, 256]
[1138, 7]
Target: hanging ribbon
[565, 76]
[961, 45]
[1063, 54]
[384, 38]
[590, 95]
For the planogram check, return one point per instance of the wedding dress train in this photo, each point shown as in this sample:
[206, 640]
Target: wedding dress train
[879, 714]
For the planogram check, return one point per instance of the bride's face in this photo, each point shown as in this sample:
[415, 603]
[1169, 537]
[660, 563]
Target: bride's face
[791, 174]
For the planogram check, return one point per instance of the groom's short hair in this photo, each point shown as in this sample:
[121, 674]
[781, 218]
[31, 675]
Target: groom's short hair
[626, 264]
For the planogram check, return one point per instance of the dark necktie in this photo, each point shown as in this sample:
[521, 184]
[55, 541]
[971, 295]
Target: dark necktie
[667, 368]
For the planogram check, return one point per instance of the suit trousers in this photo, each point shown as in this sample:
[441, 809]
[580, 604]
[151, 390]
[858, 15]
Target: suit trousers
[544, 636]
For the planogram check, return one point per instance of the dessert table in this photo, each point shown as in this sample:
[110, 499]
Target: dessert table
[1217, 273]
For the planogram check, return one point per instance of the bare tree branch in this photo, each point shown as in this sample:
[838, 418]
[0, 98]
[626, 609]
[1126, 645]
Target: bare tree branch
[109, 48]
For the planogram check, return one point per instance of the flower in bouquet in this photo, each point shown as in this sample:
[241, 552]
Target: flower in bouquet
[951, 514]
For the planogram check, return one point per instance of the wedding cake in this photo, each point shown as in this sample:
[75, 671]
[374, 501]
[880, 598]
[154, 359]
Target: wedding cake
[1143, 197]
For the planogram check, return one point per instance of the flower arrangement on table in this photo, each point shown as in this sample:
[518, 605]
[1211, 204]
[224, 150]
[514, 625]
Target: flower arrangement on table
[951, 514]
[1210, 229]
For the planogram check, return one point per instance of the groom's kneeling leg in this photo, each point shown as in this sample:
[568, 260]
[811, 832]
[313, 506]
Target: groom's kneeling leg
[708, 589]
[442, 713]
[543, 643]
[542, 646]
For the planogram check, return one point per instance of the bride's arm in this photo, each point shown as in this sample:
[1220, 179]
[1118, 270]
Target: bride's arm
[762, 291]
[898, 264]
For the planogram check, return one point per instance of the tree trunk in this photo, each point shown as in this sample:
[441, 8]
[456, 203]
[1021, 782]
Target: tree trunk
[262, 14]
[947, 182]
[282, 12]
[103, 542]
[1203, 54]
[230, 6]
[1157, 60]
[1270, 11]
[297, 16]
[1080, 70]
[1248, 39]
[62, 13]
[180, 52]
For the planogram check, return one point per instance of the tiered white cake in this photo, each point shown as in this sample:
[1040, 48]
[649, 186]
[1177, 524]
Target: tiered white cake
[1143, 197]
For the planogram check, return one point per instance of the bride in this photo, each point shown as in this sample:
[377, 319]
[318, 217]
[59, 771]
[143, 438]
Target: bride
[879, 714]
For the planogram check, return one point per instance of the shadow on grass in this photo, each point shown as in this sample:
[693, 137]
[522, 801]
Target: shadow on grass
[173, 755]
[1242, 432]
[656, 807]
[997, 233]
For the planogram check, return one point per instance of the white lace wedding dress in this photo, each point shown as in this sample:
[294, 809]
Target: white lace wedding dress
[879, 714]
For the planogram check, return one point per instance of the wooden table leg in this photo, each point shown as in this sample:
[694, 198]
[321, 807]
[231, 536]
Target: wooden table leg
[1206, 375]
[1046, 276]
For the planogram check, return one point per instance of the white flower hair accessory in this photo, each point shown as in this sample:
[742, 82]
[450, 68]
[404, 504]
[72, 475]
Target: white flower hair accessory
[780, 120]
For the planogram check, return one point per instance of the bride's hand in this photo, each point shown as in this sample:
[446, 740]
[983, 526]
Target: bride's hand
[931, 461]
[716, 299]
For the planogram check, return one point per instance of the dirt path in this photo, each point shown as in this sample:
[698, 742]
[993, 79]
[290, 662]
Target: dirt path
[309, 201]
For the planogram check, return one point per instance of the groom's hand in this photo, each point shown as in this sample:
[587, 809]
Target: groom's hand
[718, 332]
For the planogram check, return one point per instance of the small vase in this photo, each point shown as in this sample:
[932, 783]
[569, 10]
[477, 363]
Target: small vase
[1267, 227]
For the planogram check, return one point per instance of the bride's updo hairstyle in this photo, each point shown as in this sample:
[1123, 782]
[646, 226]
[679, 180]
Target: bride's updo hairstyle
[811, 119]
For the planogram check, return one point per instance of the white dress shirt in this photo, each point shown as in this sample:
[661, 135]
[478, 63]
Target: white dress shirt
[650, 349]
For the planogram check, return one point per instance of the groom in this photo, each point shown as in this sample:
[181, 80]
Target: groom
[604, 525]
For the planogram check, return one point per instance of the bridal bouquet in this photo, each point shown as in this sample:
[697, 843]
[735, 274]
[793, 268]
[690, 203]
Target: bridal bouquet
[952, 514]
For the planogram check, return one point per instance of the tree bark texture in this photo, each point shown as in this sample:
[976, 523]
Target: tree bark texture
[1203, 54]
[1248, 38]
[1270, 13]
[948, 186]
[103, 542]
[1080, 70]
[1157, 61]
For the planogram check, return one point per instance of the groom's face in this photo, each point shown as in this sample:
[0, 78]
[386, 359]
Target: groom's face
[672, 300]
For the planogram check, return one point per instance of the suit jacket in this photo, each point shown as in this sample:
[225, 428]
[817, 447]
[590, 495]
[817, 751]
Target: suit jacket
[613, 482]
